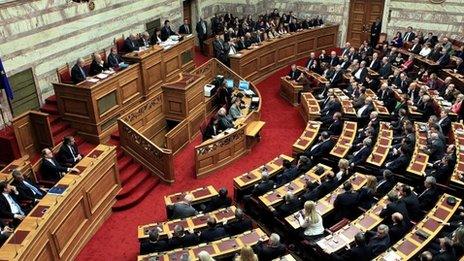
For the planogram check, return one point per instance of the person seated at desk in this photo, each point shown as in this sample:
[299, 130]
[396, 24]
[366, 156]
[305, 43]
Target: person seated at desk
[185, 27]
[235, 111]
[239, 225]
[311, 221]
[221, 201]
[367, 193]
[282, 30]
[354, 66]
[322, 148]
[398, 60]
[385, 69]
[346, 202]
[412, 203]
[27, 190]
[78, 73]
[397, 41]
[459, 66]
[343, 171]
[436, 53]
[97, 66]
[184, 208]
[378, 241]
[212, 129]
[375, 63]
[294, 74]
[213, 232]
[183, 238]
[264, 186]
[386, 95]
[426, 107]
[166, 31]
[246, 254]
[144, 40]
[361, 155]
[394, 205]
[359, 252]
[345, 63]
[429, 196]
[131, 44]
[444, 59]
[408, 65]
[289, 173]
[270, 250]
[154, 243]
[69, 155]
[317, 190]
[323, 58]
[399, 228]
[416, 47]
[385, 183]
[289, 206]
[435, 147]
[400, 163]
[365, 110]
[303, 165]
[114, 59]
[336, 127]
[426, 50]
[333, 59]
[361, 73]
[224, 122]
[331, 107]
[9, 206]
[50, 168]
[457, 105]
[312, 64]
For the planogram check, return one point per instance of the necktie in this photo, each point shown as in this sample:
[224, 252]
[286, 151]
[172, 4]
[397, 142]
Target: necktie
[16, 209]
[83, 72]
[34, 189]
[187, 29]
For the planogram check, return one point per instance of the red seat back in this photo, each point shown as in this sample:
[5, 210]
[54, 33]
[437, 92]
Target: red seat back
[119, 43]
[64, 75]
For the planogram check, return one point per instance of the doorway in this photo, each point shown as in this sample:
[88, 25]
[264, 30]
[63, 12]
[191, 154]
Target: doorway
[361, 16]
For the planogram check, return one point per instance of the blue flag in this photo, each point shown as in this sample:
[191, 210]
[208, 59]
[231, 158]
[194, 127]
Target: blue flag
[4, 83]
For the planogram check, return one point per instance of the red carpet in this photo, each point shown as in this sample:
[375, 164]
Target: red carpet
[117, 238]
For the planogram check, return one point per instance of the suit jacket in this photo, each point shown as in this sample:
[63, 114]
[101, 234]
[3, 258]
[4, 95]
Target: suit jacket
[384, 186]
[51, 171]
[182, 210]
[210, 131]
[335, 128]
[427, 110]
[362, 76]
[66, 157]
[263, 187]
[358, 253]
[114, 60]
[416, 48]
[212, 234]
[286, 209]
[436, 150]
[286, 176]
[344, 205]
[166, 32]
[445, 125]
[217, 203]
[78, 75]
[238, 226]
[378, 245]
[202, 33]
[397, 231]
[320, 150]
[375, 64]
[345, 64]
[185, 29]
[5, 210]
[147, 247]
[409, 36]
[188, 239]
[294, 75]
[392, 207]
[428, 198]
[444, 60]
[25, 193]
[334, 61]
[460, 68]
[385, 70]
[412, 206]
[96, 68]
[336, 78]
[388, 98]
[266, 252]
[130, 46]
[399, 164]
[361, 156]
[331, 108]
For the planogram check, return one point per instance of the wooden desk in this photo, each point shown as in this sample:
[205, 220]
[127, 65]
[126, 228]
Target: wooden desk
[296, 186]
[309, 107]
[419, 159]
[256, 63]
[59, 226]
[431, 225]
[191, 224]
[345, 140]
[290, 90]
[378, 105]
[251, 178]
[382, 146]
[217, 249]
[458, 136]
[325, 205]
[22, 164]
[347, 105]
[345, 236]
[253, 128]
[199, 195]
[307, 138]
[93, 108]
[458, 79]
[421, 61]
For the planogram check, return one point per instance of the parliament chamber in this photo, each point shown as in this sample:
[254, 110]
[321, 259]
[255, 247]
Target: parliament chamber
[245, 131]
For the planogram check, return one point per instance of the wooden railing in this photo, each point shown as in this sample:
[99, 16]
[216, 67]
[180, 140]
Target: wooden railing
[157, 160]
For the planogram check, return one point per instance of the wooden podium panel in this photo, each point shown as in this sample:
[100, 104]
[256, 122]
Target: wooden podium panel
[59, 226]
[290, 90]
[257, 62]
[179, 58]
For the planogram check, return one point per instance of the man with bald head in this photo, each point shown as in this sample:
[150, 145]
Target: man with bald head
[52, 170]
[98, 65]
[131, 44]
[78, 72]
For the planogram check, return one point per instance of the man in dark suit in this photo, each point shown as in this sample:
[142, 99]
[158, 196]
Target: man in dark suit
[361, 155]
[294, 73]
[444, 59]
[399, 227]
[322, 148]
[333, 59]
[376, 28]
[312, 64]
[264, 186]
[97, 65]
[213, 232]
[378, 241]
[386, 69]
[131, 44]
[435, 147]
[330, 108]
[409, 35]
[202, 33]
[314, 192]
[429, 196]
[221, 201]
[185, 28]
[346, 202]
[412, 203]
[360, 251]
[182, 238]
[426, 108]
[239, 225]
[336, 127]
[336, 77]
[114, 59]
[291, 204]
[78, 73]
[52, 170]
[399, 164]
[445, 122]
[69, 155]
[416, 47]
[166, 31]
[459, 66]
[386, 183]
[394, 205]
[385, 94]
[290, 172]
[375, 63]
[9, 207]
[154, 243]
[360, 74]
[273, 249]
[220, 49]
[184, 208]
[27, 190]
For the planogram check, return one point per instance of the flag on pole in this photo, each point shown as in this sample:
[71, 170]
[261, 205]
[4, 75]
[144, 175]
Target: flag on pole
[4, 83]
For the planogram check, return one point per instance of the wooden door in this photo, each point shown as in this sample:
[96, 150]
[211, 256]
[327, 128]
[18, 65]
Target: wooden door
[362, 14]
[187, 10]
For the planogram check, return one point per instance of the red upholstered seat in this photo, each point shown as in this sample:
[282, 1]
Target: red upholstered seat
[119, 42]
[64, 74]
[40, 180]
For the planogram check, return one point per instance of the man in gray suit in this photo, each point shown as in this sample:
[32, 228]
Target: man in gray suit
[184, 208]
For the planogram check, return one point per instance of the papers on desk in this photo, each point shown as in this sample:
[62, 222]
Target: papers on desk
[255, 99]
[108, 71]
[93, 80]
[391, 256]
[249, 92]
[101, 76]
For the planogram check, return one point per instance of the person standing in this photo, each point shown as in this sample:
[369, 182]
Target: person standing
[376, 28]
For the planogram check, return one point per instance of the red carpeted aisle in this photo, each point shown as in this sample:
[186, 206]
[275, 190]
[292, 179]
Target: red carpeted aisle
[117, 238]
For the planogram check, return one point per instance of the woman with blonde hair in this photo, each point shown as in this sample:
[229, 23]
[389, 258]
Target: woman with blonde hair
[247, 254]
[367, 192]
[311, 221]
[343, 170]
[204, 256]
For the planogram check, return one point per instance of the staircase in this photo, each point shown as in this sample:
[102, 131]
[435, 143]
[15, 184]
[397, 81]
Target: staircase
[136, 182]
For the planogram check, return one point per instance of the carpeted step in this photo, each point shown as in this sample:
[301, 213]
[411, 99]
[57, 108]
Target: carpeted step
[79, 140]
[51, 100]
[113, 142]
[129, 173]
[85, 148]
[115, 135]
[50, 109]
[135, 181]
[59, 127]
[137, 195]
[67, 132]
[124, 162]
[54, 119]
[119, 153]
